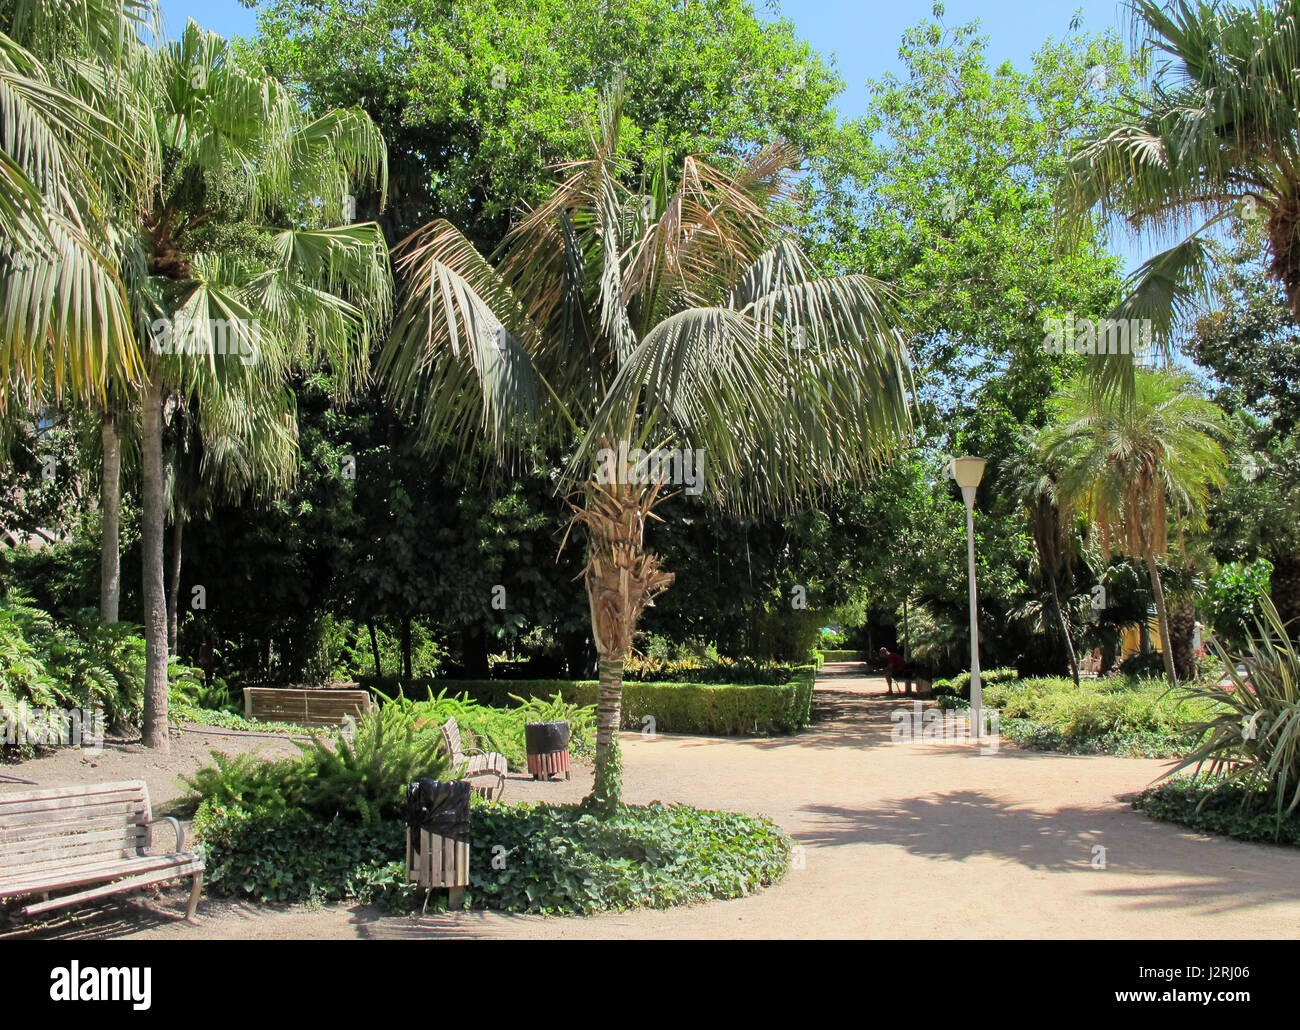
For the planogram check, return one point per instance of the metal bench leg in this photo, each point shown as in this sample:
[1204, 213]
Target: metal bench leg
[195, 891]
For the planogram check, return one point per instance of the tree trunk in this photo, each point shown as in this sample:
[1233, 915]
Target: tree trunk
[1182, 629]
[608, 788]
[1065, 630]
[174, 580]
[406, 649]
[1162, 613]
[110, 503]
[151, 550]
[374, 648]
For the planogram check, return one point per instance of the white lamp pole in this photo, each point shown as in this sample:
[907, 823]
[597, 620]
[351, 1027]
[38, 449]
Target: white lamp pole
[968, 472]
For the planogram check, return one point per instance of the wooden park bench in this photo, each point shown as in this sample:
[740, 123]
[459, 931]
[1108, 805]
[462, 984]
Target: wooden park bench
[306, 706]
[96, 836]
[475, 764]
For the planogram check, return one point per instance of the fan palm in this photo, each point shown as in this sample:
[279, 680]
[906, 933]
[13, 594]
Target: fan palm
[1131, 467]
[241, 268]
[1214, 140]
[669, 318]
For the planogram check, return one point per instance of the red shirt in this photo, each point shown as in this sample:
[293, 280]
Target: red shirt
[895, 661]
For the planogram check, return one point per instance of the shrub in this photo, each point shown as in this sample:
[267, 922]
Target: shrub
[502, 729]
[1221, 808]
[1252, 735]
[557, 858]
[1111, 716]
[364, 778]
[832, 655]
[717, 709]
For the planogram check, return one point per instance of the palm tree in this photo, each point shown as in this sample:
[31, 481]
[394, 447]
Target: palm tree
[1214, 140]
[221, 453]
[241, 268]
[1033, 483]
[1131, 467]
[68, 145]
[670, 318]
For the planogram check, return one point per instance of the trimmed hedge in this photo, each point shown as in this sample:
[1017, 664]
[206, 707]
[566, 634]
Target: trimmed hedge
[844, 656]
[713, 709]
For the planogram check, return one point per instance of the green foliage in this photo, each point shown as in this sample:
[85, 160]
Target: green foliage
[843, 656]
[959, 685]
[74, 663]
[1251, 737]
[556, 859]
[281, 854]
[717, 709]
[361, 779]
[1232, 600]
[502, 729]
[1215, 807]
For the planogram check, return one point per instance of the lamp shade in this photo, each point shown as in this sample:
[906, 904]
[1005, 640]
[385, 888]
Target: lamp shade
[968, 471]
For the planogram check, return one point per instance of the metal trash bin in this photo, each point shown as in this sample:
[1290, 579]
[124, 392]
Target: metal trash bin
[437, 836]
[547, 744]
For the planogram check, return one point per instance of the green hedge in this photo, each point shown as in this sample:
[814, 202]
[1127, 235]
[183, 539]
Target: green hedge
[844, 656]
[714, 709]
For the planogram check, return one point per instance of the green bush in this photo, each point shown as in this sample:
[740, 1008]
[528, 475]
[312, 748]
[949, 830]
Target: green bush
[1112, 716]
[1250, 732]
[832, 655]
[1220, 808]
[525, 858]
[715, 709]
[502, 729]
[363, 778]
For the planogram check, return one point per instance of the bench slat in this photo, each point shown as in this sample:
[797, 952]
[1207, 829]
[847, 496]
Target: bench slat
[117, 887]
[76, 874]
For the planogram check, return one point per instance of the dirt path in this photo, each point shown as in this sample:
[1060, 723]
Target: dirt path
[900, 840]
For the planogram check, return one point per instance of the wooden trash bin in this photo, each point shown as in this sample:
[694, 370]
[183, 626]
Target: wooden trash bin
[547, 744]
[437, 837]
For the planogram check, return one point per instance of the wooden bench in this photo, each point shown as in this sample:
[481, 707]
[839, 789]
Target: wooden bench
[306, 706]
[472, 764]
[97, 836]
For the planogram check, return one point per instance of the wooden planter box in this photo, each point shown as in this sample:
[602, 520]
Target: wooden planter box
[307, 706]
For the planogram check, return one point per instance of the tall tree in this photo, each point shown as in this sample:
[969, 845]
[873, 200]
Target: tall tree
[242, 267]
[1211, 143]
[657, 310]
[1132, 467]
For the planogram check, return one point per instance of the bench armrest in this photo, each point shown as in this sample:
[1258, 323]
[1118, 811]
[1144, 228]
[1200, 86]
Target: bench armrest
[180, 832]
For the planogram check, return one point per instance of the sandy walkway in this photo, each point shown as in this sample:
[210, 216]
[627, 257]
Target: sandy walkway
[900, 839]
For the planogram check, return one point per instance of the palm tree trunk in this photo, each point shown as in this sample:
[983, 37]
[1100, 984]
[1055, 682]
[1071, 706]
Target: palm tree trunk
[151, 549]
[174, 580]
[608, 787]
[1162, 614]
[110, 505]
[1065, 630]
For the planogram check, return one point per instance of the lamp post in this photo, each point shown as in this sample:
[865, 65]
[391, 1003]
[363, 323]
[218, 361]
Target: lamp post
[968, 472]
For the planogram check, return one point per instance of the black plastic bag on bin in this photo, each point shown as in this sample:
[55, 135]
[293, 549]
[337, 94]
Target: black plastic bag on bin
[439, 806]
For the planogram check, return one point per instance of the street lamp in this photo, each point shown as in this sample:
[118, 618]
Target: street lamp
[968, 472]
